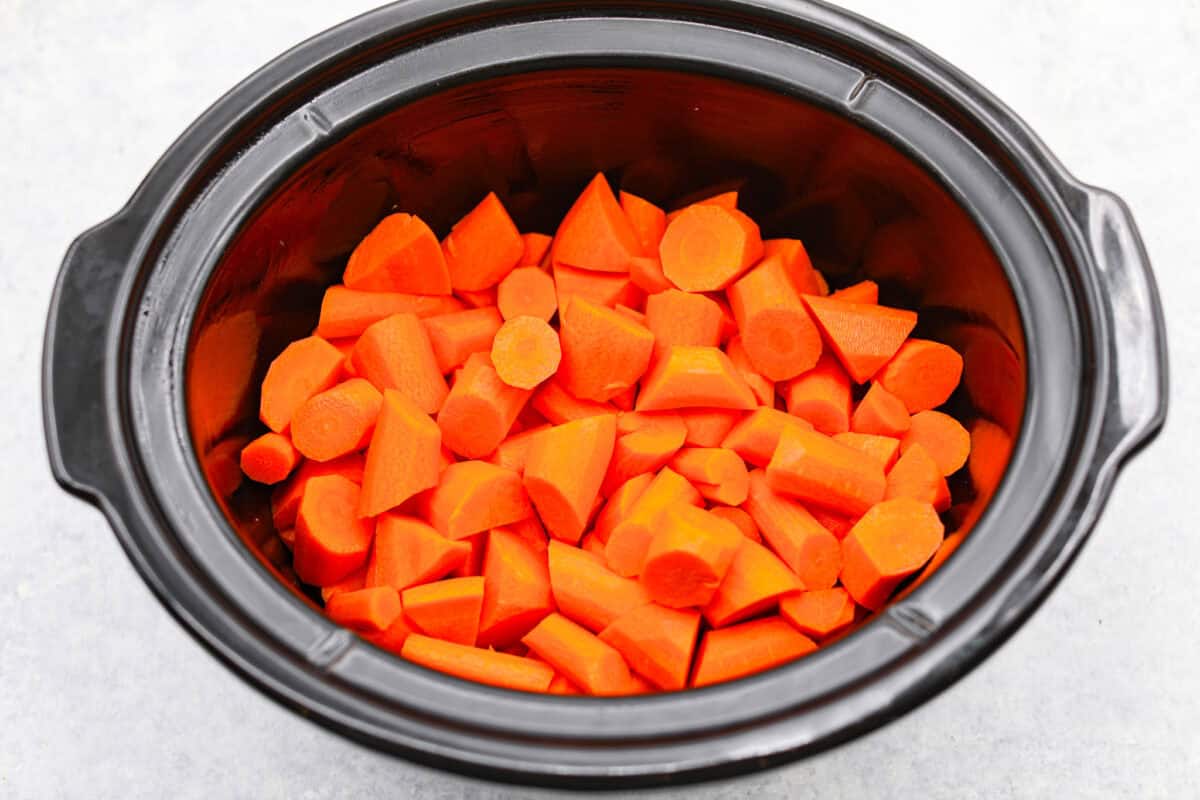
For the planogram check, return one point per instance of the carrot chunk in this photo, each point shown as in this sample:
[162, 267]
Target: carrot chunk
[483, 246]
[395, 353]
[942, 436]
[305, 367]
[407, 552]
[527, 292]
[285, 500]
[536, 246]
[821, 613]
[337, 421]
[625, 550]
[514, 451]
[645, 444]
[271, 458]
[580, 655]
[917, 475]
[646, 273]
[596, 234]
[564, 470]
[797, 263]
[348, 312]
[682, 318]
[476, 664]
[474, 496]
[446, 609]
[880, 412]
[369, 610]
[688, 556]
[480, 409]
[815, 468]
[403, 456]
[884, 449]
[525, 352]
[865, 292]
[864, 336]
[607, 289]
[331, 540]
[892, 541]
[656, 642]
[763, 387]
[557, 405]
[392, 637]
[588, 592]
[923, 374]
[821, 396]
[990, 449]
[718, 474]
[401, 254]
[603, 353]
[617, 508]
[738, 651]
[754, 583]
[649, 222]
[708, 427]
[484, 298]
[743, 521]
[707, 247]
[694, 377]
[755, 437]
[776, 329]
[455, 336]
[516, 590]
[806, 546]
[351, 583]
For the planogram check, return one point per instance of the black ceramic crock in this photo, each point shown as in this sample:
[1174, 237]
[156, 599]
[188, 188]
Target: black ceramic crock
[888, 162]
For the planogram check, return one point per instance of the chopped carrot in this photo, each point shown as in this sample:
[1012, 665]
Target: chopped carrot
[480, 409]
[587, 591]
[688, 556]
[473, 565]
[588, 662]
[564, 470]
[756, 436]
[645, 444]
[484, 298]
[620, 503]
[455, 336]
[864, 336]
[884, 449]
[728, 323]
[631, 314]
[892, 541]
[525, 352]
[476, 664]
[646, 273]
[403, 456]
[531, 532]
[880, 412]
[596, 234]
[513, 451]
[407, 552]
[820, 613]
[483, 246]
[944, 551]
[516, 593]
[656, 642]
[474, 496]
[591, 544]
[554, 402]
[527, 292]
[836, 524]
[602, 288]
[865, 292]
[446, 609]
[348, 312]
[603, 353]
[816, 469]
[711, 196]
[271, 458]
[743, 521]
[649, 222]
[923, 374]
[990, 449]
[351, 583]
[626, 547]
[562, 685]
[222, 465]
[799, 266]
[942, 436]
[918, 476]
[331, 540]
[535, 245]
[395, 353]
[371, 610]
[763, 387]
[806, 546]
[707, 247]
[305, 367]
[717, 473]
[776, 329]
[401, 254]
[754, 583]
[821, 396]
[682, 318]
[285, 500]
[391, 638]
[625, 401]
[336, 421]
[694, 377]
[726, 654]
[708, 427]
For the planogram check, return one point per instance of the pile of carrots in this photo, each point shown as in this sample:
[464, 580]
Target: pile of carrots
[649, 452]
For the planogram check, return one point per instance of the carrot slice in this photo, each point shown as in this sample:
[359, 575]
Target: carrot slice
[644, 445]
[271, 458]
[349, 312]
[821, 396]
[942, 436]
[797, 263]
[483, 246]
[479, 665]
[514, 451]
[351, 583]
[755, 437]
[865, 292]
[738, 651]
[688, 556]
[304, 368]
[628, 542]
[596, 234]
[656, 642]
[892, 541]
[400, 254]
[707, 247]
[815, 468]
[455, 336]
[923, 374]
[694, 377]
[407, 552]
[776, 329]
[990, 449]
[763, 387]
[607, 289]
[880, 412]
[285, 500]
[331, 540]
[649, 222]
[403, 457]
[708, 427]
[743, 521]
[646, 273]
[806, 546]
[863, 336]
[754, 583]
[536, 245]
[391, 638]
[516, 593]
[527, 292]
[557, 405]
[918, 476]
[603, 353]
[620, 504]
[480, 409]
[337, 421]
[573, 651]
[588, 592]
[682, 318]
[884, 449]
[395, 353]
[821, 613]
[525, 352]
[369, 610]
[474, 496]
[446, 609]
[717, 473]
[564, 470]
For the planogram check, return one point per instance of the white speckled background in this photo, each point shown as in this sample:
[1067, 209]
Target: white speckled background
[102, 694]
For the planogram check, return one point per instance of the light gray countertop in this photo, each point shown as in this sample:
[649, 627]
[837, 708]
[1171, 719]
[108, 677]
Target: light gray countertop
[102, 694]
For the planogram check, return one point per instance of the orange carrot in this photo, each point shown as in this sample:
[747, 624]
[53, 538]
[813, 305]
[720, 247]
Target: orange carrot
[645, 444]
[646, 273]
[403, 457]
[602, 288]
[865, 292]
[728, 323]
[864, 336]
[880, 412]
[480, 409]
[741, 650]
[631, 314]
[707, 247]
[688, 556]
[626, 547]
[814, 468]
[564, 470]
[395, 353]
[649, 222]
[776, 329]
[708, 427]
[694, 377]
[582, 657]
[942, 436]
[525, 352]
[527, 292]
[821, 613]
[557, 405]
[562, 685]
[944, 551]
[923, 374]
[476, 664]
[717, 473]
[620, 503]
[755, 581]
[990, 449]
[513, 451]
[346, 346]
[473, 565]
[806, 546]
[625, 401]
[446, 609]
[743, 521]
[603, 353]
[536, 245]
[285, 500]
[711, 196]
[682, 318]
[531, 532]
[892, 541]
[884, 449]
[596, 234]
[271, 457]
[483, 247]
[455, 336]
[337, 421]
[393, 637]
[484, 298]
[370, 610]
[516, 592]
[331, 540]
[474, 496]
[349, 312]
[836, 524]
[656, 642]
[304, 368]
[755, 437]
[588, 592]
[797, 263]
[407, 552]
[591, 544]
[400, 255]
[917, 475]
[821, 396]
[351, 583]
[763, 387]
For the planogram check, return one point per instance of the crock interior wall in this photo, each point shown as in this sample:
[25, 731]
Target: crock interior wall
[862, 208]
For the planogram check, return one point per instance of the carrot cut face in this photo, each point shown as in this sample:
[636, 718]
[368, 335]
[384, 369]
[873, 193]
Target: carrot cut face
[516, 593]
[447, 610]
[401, 254]
[942, 436]
[395, 353]
[564, 470]
[754, 583]
[474, 496]
[917, 476]
[483, 247]
[694, 377]
[688, 556]
[588, 592]
[603, 352]
[682, 318]
[586, 660]
[525, 352]
[408, 552]
[527, 292]
[596, 233]
[755, 437]
[806, 546]
[821, 613]
[625, 550]
[347, 312]
[305, 367]
[270, 458]
[881, 413]
[892, 541]
[649, 222]
[657, 643]
[864, 336]
[923, 374]
[456, 336]
[814, 468]
[369, 610]
[821, 396]
[706, 247]
[726, 654]
[403, 456]
[480, 410]
[331, 540]
[776, 329]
